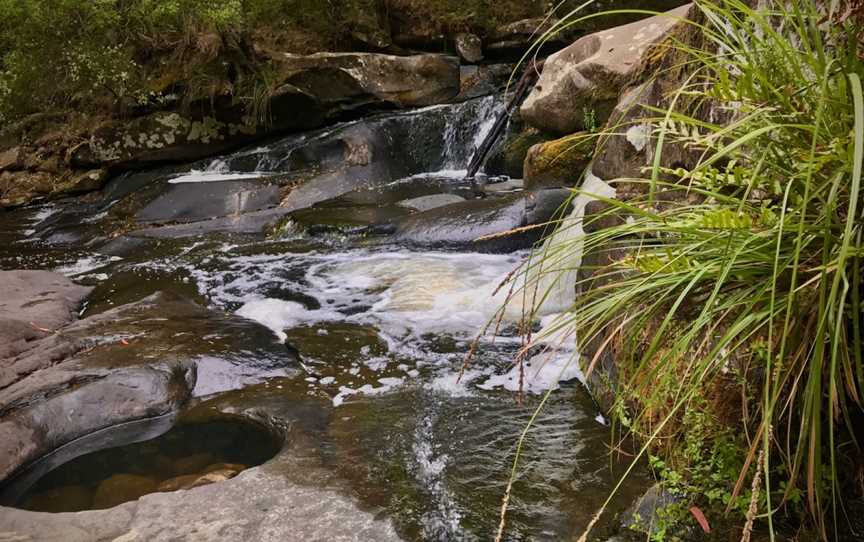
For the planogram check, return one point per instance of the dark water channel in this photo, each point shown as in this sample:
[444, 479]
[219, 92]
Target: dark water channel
[186, 456]
[378, 330]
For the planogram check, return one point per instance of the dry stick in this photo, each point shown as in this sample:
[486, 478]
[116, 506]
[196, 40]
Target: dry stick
[754, 498]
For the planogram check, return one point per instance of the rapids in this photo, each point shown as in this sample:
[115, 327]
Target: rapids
[381, 329]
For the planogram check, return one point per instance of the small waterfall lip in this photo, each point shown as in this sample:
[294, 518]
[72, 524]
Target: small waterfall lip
[466, 124]
[458, 148]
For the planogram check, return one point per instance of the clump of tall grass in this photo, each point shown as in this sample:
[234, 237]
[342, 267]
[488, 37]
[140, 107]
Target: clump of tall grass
[748, 263]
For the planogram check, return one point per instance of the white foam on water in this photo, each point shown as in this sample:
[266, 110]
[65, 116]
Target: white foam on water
[539, 374]
[38, 217]
[563, 250]
[199, 176]
[460, 138]
[450, 383]
[387, 385]
[407, 296]
[43, 213]
[279, 315]
[412, 296]
[86, 265]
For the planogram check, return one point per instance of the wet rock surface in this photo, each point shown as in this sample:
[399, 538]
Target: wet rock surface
[33, 304]
[485, 225]
[327, 286]
[135, 362]
[48, 300]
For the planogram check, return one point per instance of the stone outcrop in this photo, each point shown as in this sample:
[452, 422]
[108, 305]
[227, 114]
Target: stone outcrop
[159, 137]
[136, 363]
[469, 47]
[311, 90]
[485, 225]
[338, 82]
[511, 40]
[631, 149]
[585, 79]
[290, 497]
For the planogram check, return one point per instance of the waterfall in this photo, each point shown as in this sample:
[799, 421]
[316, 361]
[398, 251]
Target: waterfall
[467, 126]
[563, 250]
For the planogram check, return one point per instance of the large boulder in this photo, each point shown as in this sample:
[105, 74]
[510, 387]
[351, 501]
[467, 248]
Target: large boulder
[584, 80]
[632, 144]
[338, 82]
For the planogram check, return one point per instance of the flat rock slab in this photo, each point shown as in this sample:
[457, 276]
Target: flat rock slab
[33, 304]
[135, 362]
[486, 225]
[189, 202]
[49, 300]
[425, 203]
[291, 497]
[257, 505]
[253, 222]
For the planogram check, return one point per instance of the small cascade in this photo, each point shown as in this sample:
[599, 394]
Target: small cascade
[498, 124]
[467, 128]
[563, 250]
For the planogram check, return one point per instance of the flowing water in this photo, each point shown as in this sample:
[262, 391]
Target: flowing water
[382, 331]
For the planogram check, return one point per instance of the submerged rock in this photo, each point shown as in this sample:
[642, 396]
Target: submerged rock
[60, 499]
[585, 79]
[189, 481]
[433, 201]
[121, 488]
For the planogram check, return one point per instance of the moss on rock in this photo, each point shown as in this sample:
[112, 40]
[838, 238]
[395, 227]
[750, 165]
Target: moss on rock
[516, 149]
[560, 162]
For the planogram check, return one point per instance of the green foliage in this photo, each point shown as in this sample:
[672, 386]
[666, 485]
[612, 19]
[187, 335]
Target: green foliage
[110, 55]
[747, 264]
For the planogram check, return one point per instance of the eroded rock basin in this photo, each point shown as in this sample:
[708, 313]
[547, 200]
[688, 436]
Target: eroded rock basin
[187, 456]
[346, 345]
